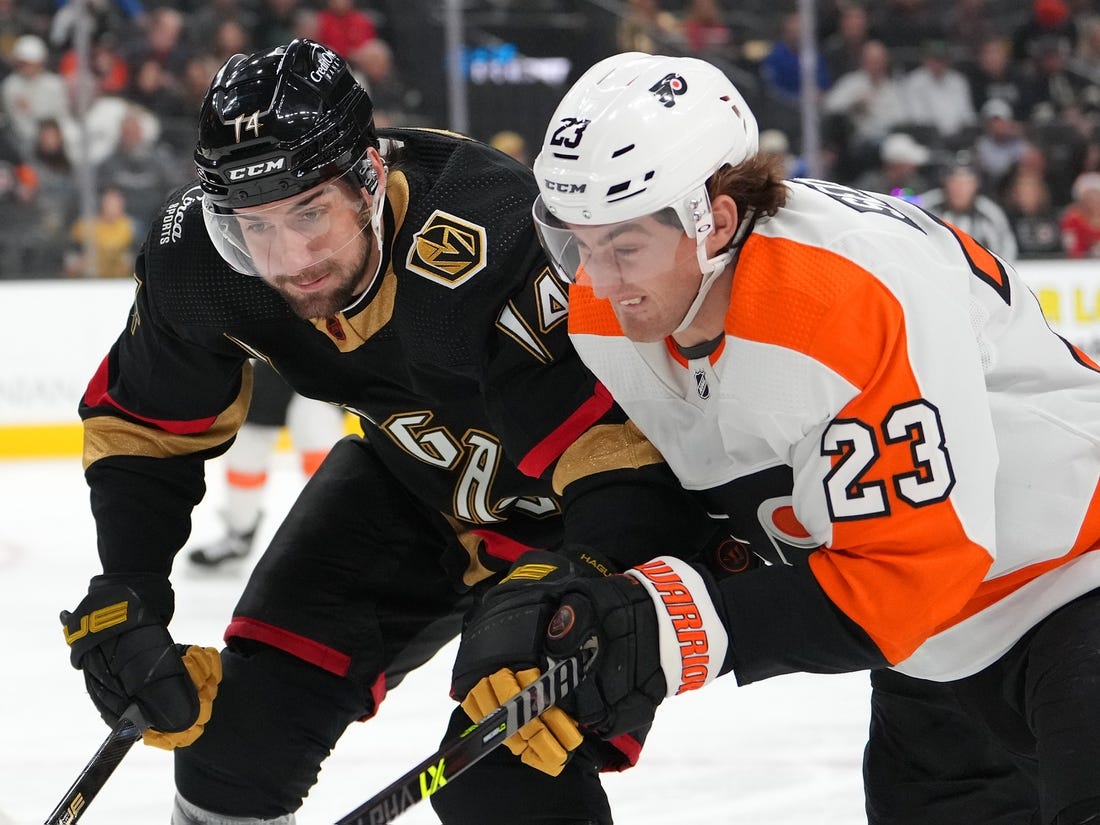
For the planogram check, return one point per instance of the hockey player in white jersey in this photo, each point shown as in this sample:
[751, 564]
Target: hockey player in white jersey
[876, 403]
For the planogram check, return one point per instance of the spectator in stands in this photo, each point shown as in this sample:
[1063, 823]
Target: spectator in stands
[843, 49]
[1033, 219]
[871, 100]
[205, 24]
[1065, 150]
[344, 28]
[99, 132]
[959, 202]
[900, 172]
[706, 32]
[1000, 145]
[967, 22]
[32, 93]
[395, 102]
[938, 95]
[780, 69]
[1050, 87]
[99, 18]
[1086, 60]
[276, 23]
[307, 23]
[647, 27]
[153, 88]
[141, 169]
[109, 237]
[108, 66]
[197, 74]
[512, 144]
[904, 24]
[993, 74]
[775, 143]
[1080, 222]
[230, 38]
[1050, 19]
[17, 205]
[16, 20]
[163, 42]
[56, 201]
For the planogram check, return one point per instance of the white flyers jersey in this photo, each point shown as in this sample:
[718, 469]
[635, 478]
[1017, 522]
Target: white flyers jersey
[889, 402]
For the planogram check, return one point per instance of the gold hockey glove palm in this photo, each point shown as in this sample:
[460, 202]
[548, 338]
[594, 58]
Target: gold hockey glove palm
[543, 743]
[204, 665]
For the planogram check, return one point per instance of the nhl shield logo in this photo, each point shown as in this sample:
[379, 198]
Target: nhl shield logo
[668, 88]
[447, 250]
[701, 385]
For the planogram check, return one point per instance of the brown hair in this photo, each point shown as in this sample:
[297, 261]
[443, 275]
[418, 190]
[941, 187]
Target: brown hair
[756, 182]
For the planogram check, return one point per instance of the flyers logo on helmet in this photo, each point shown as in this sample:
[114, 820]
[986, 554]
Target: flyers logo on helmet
[668, 88]
[447, 250]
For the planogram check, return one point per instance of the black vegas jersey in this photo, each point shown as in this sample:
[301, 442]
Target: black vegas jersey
[457, 361]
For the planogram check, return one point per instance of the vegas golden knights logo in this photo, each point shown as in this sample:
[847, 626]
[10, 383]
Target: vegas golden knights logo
[447, 249]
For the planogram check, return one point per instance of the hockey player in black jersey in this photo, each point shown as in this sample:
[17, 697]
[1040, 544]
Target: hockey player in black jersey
[397, 274]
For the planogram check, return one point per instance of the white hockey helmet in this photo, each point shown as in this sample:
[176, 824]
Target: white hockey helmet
[639, 134]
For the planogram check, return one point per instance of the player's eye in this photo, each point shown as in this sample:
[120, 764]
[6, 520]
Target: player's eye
[257, 228]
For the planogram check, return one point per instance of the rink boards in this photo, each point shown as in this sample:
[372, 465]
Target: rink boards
[53, 335]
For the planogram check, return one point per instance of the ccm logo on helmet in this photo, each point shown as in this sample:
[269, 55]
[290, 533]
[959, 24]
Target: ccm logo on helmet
[554, 186]
[255, 170]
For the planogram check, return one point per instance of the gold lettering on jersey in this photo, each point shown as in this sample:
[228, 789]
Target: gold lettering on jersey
[448, 250]
[475, 459]
[471, 501]
[553, 300]
[534, 506]
[253, 124]
[135, 314]
[432, 445]
[514, 326]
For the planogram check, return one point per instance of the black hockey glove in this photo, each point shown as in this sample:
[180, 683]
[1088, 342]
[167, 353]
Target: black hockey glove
[501, 652]
[659, 634]
[118, 636]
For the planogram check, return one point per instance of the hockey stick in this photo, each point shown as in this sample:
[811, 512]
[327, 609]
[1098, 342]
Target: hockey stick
[475, 742]
[99, 768]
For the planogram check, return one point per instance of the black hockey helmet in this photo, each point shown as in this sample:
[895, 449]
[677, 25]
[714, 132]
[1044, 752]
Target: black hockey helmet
[279, 122]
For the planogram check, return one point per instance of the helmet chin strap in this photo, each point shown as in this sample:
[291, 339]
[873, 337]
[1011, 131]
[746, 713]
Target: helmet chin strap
[712, 268]
[377, 205]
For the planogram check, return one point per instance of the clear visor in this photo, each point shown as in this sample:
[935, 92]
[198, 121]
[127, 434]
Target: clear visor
[289, 236]
[630, 251]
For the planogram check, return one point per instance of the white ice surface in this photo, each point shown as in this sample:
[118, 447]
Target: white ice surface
[780, 752]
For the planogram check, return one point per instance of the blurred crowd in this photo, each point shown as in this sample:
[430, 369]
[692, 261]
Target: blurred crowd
[986, 112]
[126, 136]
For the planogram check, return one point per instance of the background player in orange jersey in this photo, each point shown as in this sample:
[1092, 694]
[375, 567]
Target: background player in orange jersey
[313, 427]
[875, 401]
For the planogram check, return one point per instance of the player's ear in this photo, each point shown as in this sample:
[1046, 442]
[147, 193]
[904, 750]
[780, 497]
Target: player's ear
[376, 175]
[724, 213]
